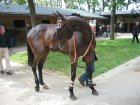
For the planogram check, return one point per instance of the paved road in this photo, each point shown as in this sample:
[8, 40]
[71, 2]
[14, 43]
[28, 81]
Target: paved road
[120, 86]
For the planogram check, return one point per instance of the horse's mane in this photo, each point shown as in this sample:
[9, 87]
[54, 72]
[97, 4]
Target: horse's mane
[76, 14]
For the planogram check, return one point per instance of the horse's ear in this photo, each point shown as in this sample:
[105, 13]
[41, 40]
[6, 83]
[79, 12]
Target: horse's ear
[61, 16]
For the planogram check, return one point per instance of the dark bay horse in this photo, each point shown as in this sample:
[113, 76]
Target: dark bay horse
[42, 38]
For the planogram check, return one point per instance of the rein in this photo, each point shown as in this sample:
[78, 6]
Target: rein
[75, 54]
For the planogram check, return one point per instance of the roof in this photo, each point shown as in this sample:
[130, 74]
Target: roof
[88, 14]
[23, 9]
[121, 12]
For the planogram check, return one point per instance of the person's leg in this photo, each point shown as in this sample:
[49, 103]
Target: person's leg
[84, 76]
[137, 39]
[7, 60]
[93, 69]
[133, 38]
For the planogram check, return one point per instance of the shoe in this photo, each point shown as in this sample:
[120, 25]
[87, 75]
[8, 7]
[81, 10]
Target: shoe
[2, 72]
[81, 82]
[9, 73]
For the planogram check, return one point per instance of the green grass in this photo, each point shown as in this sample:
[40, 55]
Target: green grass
[111, 53]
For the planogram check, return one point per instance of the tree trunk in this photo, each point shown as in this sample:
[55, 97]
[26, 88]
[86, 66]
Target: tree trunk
[32, 12]
[88, 5]
[127, 4]
[103, 4]
[66, 3]
[113, 11]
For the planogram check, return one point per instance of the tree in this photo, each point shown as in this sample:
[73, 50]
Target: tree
[113, 11]
[105, 3]
[92, 4]
[120, 5]
[71, 4]
[32, 12]
[20, 1]
[128, 4]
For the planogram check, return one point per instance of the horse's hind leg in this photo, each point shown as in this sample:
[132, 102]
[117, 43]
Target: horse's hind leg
[35, 75]
[90, 84]
[40, 67]
[73, 75]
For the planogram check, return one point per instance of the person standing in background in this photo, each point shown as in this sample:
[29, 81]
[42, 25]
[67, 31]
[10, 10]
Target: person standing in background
[135, 32]
[4, 50]
[121, 27]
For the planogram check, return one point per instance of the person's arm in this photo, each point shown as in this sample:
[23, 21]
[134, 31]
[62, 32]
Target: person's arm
[8, 41]
[138, 30]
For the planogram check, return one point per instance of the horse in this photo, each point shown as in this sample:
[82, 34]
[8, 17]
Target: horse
[46, 37]
[40, 40]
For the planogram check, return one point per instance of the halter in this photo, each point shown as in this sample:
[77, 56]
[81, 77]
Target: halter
[75, 54]
[68, 27]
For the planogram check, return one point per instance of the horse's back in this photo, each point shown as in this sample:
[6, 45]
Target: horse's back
[40, 28]
[39, 38]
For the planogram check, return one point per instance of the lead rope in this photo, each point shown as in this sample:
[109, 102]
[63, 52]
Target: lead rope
[75, 55]
[88, 46]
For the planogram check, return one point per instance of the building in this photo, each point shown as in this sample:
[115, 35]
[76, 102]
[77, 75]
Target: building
[129, 18]
[18, 16]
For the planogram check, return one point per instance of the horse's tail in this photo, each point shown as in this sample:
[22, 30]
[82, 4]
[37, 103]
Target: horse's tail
[30, 54]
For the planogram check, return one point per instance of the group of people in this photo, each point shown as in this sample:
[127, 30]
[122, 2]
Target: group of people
[103, 30]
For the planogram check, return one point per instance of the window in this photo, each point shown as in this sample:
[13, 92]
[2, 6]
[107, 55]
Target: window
[19, 23]
[46, 21]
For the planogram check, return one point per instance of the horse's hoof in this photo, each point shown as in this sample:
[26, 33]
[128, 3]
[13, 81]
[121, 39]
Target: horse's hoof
[45, 87]
[95, 93]
[73, 98]
[36, 89]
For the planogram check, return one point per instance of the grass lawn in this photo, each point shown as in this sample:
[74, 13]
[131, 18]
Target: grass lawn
[111, 53]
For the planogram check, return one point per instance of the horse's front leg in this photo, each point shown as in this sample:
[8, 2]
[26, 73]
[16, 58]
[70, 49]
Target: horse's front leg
[40, 67]
[35, 76]
[73, 76]
[90, 83]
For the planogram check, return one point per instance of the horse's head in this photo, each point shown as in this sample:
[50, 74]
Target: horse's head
[63, 31]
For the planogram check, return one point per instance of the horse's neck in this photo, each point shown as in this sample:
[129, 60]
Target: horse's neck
[80, 27]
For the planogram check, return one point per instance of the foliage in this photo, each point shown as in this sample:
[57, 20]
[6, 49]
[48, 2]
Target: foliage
[120, 4]
[20, 1]
[111, 53]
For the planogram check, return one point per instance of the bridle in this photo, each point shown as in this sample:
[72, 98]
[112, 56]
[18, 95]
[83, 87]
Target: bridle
[66, 25]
